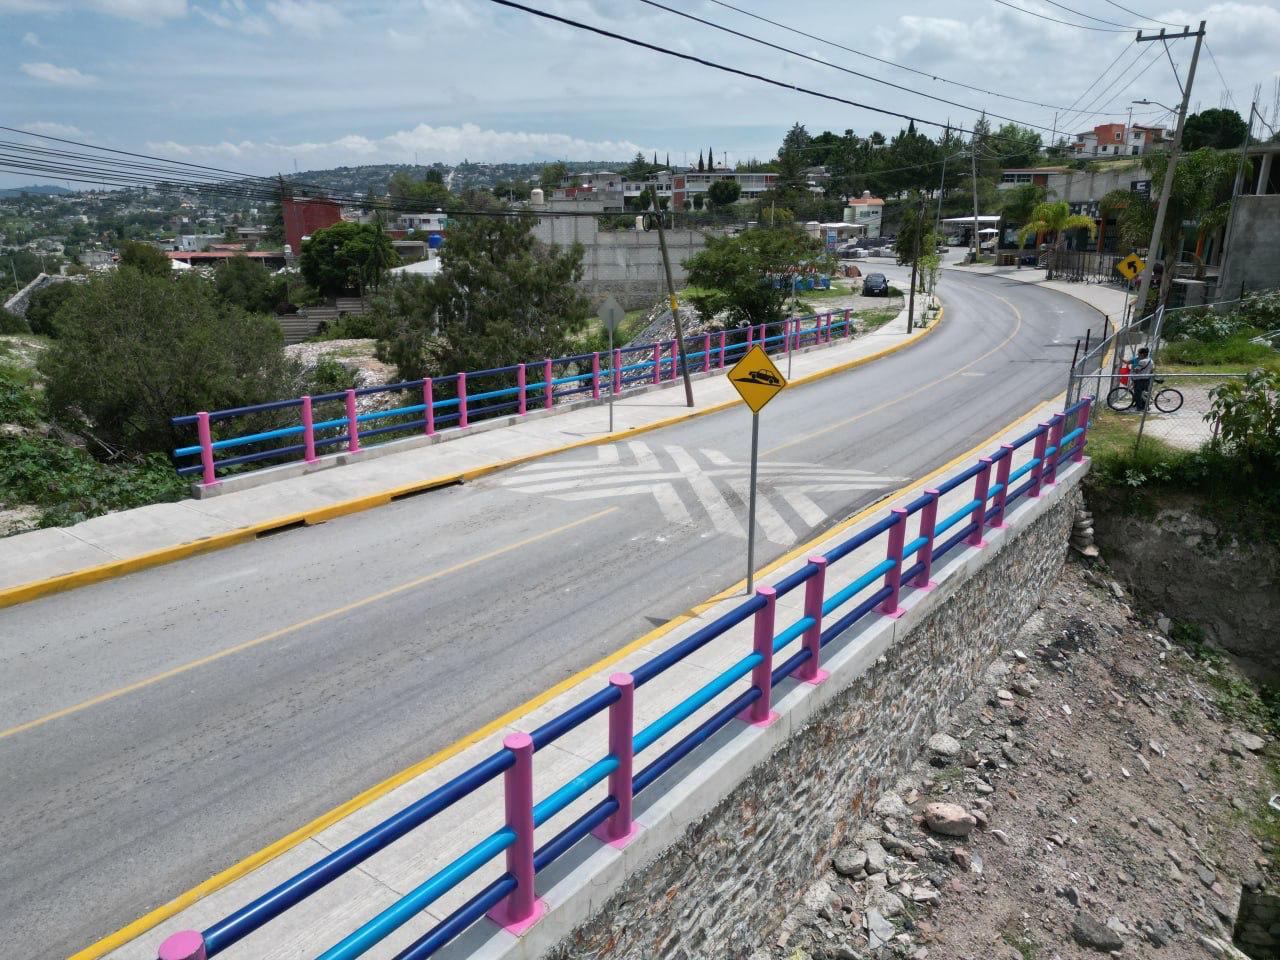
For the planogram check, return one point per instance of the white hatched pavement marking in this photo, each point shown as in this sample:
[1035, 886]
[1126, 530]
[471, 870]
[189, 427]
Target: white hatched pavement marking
[606, 476]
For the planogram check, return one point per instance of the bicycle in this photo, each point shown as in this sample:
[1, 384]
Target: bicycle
[1166, 400]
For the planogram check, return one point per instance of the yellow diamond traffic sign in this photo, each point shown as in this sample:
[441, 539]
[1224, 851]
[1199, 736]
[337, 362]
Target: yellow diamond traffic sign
[756, 379]
[1131, 266]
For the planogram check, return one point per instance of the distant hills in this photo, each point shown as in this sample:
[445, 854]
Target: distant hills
[44, 189]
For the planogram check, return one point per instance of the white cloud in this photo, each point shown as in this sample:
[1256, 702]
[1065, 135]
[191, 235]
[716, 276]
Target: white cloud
[58, 76]
[306, 16]
[235, 15]
[30, 40]
[448, 144]
[141, 11]
[53, 129]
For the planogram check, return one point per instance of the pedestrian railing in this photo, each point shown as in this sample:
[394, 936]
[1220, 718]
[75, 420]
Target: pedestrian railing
[511, 900]
[307, 427]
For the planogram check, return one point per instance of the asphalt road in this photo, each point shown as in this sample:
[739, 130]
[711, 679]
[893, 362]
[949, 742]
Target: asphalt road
[270, 681]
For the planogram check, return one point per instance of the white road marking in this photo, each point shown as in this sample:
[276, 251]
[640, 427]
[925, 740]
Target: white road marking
[722, 517]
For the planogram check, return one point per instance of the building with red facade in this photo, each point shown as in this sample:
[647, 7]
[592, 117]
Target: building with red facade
[304, 216]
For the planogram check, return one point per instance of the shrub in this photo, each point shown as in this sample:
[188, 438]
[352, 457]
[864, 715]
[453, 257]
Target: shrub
[371, 325]
[135, 349]
[1248, 413]
[145, 258]
[12, 323]
[1237, 350]
[1207, 326]
[245, 283]
[330, 376]
[42, 309]
[1262, 309]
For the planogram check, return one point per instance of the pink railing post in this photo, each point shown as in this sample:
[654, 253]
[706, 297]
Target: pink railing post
[595, 375]
[723, 337]
[893, 576]
[618, 830]
[814, 589]
[186, 945]
[617, 370]
[429, 400]
[548, 396]
[751, 332]
[462, 400]
[353, 423]
[1037, 472]
[706, 353]
[206, 449]
[1055, 441]
[828, 326]
[1002, 481]
[308, 431]
[1083, 423]
[521, 384]
[928, 524]
[760, 713]
[657, 362]
[981, 487]
[521, 908]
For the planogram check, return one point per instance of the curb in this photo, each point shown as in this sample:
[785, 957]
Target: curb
[21, 593]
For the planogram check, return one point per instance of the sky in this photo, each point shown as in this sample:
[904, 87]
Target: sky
[261, 85]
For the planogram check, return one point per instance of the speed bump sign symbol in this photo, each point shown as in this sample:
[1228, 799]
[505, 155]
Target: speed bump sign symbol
[756, 379]
[1131, 266]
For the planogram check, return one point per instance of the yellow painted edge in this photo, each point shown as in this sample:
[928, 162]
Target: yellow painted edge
[23, 592]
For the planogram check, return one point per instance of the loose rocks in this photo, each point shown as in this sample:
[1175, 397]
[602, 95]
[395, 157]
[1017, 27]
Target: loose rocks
[949, 819]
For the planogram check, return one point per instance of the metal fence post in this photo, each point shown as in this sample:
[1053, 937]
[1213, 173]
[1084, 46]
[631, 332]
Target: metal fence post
[206, 448]
[186, 945]
[308, 431]
[549, 396]
[353, 423]
[751, 331]
[618, 830]
[928, 523]
[521, 385]
[675, 360]
[981, 487]
[429, 401]
[814, 590]
[1083, 421]
[1055, 441]
[521, 908]
[1037, 472]
[723, 335]
[706, 353]
[1002, 480]
[657, 362]
[617, 370]
[462, 400]
[595, 375]
[760, 714]
[893, 577]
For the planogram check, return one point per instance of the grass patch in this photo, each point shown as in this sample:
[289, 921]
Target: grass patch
[875, 318]
[1027, 949]
[1234, 354]
[1237, 698]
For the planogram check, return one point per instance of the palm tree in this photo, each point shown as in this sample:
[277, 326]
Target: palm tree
[1055, 217]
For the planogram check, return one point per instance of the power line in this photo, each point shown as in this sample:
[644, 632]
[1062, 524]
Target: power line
[833, 66]
[1122, 82]
[1096, 80]
[1214, 61]
[1065, 23]
[889, 63]
[579, 25]
[1089, 16]
[1134, 13]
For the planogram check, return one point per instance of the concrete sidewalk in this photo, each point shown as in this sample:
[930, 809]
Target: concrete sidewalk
[44, 561]
[1106, 299]
[338, 909]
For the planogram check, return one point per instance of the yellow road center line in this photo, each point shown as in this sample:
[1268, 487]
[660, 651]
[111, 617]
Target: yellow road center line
[293, 628]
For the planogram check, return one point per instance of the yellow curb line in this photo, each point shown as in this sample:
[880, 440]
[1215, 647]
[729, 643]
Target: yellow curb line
[23, 592]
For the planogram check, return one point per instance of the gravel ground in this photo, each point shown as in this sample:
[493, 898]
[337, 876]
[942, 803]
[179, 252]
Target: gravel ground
[1093, 796]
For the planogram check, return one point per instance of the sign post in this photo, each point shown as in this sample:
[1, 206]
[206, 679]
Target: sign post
[611, 315]
[757, 381]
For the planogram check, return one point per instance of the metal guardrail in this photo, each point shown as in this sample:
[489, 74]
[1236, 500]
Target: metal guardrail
[333, 420]
[510, 899]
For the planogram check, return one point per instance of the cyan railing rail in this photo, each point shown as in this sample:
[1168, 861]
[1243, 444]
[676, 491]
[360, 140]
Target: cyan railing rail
[536, 384]
[511, 899]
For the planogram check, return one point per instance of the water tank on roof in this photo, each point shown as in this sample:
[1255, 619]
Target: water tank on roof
[435, 241]
[537, 197]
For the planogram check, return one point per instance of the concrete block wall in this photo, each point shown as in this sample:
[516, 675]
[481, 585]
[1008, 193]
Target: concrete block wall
[1253, 260]
[732, 874]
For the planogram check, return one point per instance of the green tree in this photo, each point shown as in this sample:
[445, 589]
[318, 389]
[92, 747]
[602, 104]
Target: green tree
[552, 174]
[915, 231]
[1019, 204]
[723, 193]
[425, 193]
[1057, 219]
[346, 256]
[43, 307]
[146, 258]
[245, 283]
[502, 297]
[135, 349]
[1218, 128]
[701, 165]
[748, 275]
[638, 168]
[1016, 146]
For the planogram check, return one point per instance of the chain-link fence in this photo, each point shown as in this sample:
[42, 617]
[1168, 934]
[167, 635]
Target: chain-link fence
[1173, 409]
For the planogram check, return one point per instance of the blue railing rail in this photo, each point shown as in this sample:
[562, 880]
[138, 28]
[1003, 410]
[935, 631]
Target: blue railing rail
[510, 898]
[306, 427]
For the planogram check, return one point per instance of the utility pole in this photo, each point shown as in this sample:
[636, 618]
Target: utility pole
[675, 304]
[942, 181]
[1144, 287]
[973, 167]
[915, 264]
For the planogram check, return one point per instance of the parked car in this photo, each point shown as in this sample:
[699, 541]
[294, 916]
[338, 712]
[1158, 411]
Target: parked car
[875, 285]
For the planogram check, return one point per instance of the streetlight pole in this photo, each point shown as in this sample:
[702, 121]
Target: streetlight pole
[1144, 287]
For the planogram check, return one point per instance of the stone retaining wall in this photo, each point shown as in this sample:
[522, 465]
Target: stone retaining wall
[729, 880]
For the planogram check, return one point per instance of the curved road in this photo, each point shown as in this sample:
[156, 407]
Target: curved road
[157, 728]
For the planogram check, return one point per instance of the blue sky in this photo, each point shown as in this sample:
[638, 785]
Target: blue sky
[256, 85]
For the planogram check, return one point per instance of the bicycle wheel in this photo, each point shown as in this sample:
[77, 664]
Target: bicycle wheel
[1120, 399]
[1168, 400]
